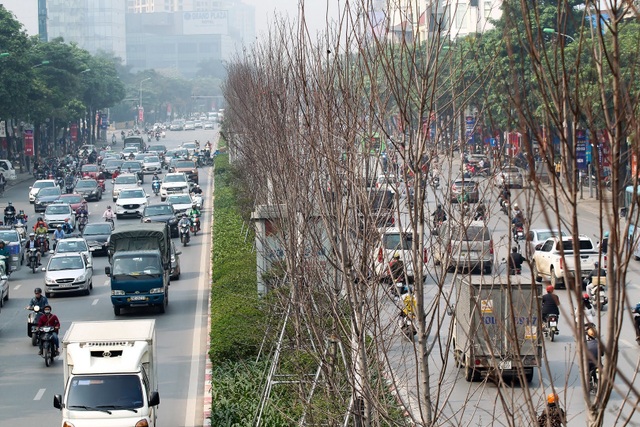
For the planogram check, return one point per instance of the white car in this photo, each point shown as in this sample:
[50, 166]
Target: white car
[174, 183]
[74, 245]
[4, 288]
[124, 182]
[151, 164]
[127, 152]
[208, 125]
[66, 273]
[7, 170]
[191, 147]
[57, 213]
[189, 126]
[181, 203]
[41, 183]
[131, 202]
[535, 236]
[392, 241]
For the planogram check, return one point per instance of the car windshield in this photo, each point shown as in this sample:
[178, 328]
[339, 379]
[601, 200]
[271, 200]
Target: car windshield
[158, 210]
[132, 194]
[136, 266]
[96, 229]
[113, 163]
[57, 210]
[189, 146]
[72, 199]
[469, 185]
[174, 178]
[131, 165]
[49, 191]
[9, 236]
[126, 179]
[471, 233]
[130, 150]
[90, 168]
[86, 184]
[65, 263]
[158, 148]
[181, 199]
[585, 245]
[71, 246]
[184, 164]
[43, 184]
[151, 159]
[544, 235]
[104, 392]
[394, 241]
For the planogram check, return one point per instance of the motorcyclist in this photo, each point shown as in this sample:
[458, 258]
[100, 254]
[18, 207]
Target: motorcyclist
[116, 172]
[552, 415]
[22, 217]
[481, 211]
[593, 349]
[50, 319]
[518, 216]
[40, 224]
[194, 211]
[197, 190]
[439, 215]
[515, 260]
[588, 310]
[4, 251]
[38, 299]
[69, 181]
[396, 268]
[184, 221]
[505, 195]
[66, 227]
[604, 245]
[113, 139]
[596, 272]
[9, 212]
[82, 209]
[58, 235]
[550, 303]
[108, 215]
[32, 244]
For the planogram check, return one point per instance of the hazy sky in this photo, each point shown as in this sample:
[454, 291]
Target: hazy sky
[315, 11]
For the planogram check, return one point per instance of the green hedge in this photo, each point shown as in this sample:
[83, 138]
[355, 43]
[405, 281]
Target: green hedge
[237, 322]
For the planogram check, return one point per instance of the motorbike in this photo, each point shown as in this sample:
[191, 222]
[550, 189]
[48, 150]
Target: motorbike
[82, 222]
[155, 186]
[551, 327]
[102, 185]
[68, 188]
[197, 199]
[598, 294]
[46, 344]
[518, 232]
[9, 219]
[43, 243]
[21, 227]
[184, 234]
[157, 137]
[60, 182]
[32, 262]
[195, 224]
[32, 325]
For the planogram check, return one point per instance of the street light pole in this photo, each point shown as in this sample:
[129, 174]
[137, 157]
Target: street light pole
[140, 96]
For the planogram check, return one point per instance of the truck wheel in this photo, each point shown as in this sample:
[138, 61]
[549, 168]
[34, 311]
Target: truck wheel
[116, 310]
[536, 276]
[553, 278]
[529, 376]
[470, 374]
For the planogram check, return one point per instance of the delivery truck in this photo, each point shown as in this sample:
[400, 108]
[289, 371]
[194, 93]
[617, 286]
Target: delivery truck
[109, 374]
[496, 326]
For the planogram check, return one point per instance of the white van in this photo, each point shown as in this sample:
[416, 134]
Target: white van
[7, 170]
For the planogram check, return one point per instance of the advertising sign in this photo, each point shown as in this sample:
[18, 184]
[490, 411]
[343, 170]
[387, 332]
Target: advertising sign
[73, 130]
[581, 149]
[104, 121]
[210, 22]
[28, 142]
[140, 114]
[3, 129]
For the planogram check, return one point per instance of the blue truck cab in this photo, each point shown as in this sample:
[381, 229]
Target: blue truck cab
[140, 264]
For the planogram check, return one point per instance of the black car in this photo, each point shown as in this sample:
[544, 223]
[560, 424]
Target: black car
[133, 166]
[162, 212]
[89, 189]
[111, 165]
[97, 236]
[45, 197]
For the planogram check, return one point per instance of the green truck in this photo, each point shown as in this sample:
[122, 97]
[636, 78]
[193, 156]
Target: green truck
[140, 265]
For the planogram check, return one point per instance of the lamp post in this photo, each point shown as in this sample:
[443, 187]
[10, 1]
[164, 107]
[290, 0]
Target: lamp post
[140, 96]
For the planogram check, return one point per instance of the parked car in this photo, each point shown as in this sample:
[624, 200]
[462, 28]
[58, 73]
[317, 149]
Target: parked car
[468, 186]
[509, 176]
[464, 246]
[89, 189]
[124, 182]
[97, 236]
[57, 214]
[175, 263]
[45, 197]
[15, 245]
[162, 212]
[41, 183]
[67, 273]
[131, 202]
[7, 170]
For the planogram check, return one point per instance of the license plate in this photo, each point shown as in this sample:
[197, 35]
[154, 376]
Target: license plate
[553, 324]
[65, 285]
[505, 364]
[138, 298]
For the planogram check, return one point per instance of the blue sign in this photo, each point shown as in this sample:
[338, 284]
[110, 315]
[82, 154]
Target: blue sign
[581, 150]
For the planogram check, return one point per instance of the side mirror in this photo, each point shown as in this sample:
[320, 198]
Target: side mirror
[154, 399]
[57, 401]
[50, 251]
[148, 195]
[107, 271]
[44, 269]
[4, 277]
[92, 249]
[179, 253]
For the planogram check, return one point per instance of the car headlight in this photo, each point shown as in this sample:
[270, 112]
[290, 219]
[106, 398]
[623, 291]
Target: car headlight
[49, 281]
[173, 220]
[157, 291]
[117, 292]
[146, 219]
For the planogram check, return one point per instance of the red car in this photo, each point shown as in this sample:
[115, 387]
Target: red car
[74, 200]
[90, 171]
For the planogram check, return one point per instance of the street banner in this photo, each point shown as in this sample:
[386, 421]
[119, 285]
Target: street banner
[104, 121]
[73, 130]
[140, 114]
[3, 129]
[28, 142]
[470, 124]
[581, 149]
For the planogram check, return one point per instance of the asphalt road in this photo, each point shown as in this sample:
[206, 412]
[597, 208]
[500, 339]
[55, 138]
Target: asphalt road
[481, 403]
[27, 386]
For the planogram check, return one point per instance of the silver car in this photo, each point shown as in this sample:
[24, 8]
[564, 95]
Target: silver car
[73, 245]
[67, 273]
[464, 246]
[59, 213]
[510, 176]
[124, 182]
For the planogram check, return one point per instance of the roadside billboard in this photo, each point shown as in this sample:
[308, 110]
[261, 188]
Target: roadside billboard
[209, 22]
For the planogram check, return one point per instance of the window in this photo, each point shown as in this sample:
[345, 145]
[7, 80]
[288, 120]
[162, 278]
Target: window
[105, 391]
[547, 246]
[398, 241]
[461, 15]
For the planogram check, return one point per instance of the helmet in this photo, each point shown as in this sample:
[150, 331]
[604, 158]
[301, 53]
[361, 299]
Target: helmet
[59, 226]
[591, 332]
[439, 206]
[184, 215]
[108, 207]
[515, 206]
[194, 205]
[552, 399]
[396, 255]
[37, 291]
[39, 218]
[10, 203]
[514, 250]
[550, 288]
[32, 234]
[606, 234]
[47, 306]
[585, 296]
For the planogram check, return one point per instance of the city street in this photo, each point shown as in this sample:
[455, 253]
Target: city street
[28, 386]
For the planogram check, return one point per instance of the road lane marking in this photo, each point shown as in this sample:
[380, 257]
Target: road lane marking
[192, 413]
[39, 394]
[16, 287]
[95, 301]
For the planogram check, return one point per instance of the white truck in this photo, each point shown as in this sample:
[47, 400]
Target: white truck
[548, 261]
[109, 374]
[496, 326]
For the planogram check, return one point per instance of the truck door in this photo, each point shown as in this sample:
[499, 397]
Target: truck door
[488, 319]
[521, 310]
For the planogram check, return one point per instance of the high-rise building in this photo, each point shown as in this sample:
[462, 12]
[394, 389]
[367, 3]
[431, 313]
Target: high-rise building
[93, 25]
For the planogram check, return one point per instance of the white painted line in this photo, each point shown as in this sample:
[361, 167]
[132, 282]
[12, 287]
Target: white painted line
[39, 394]
[192, 413]
[16, 287]
[95, 301]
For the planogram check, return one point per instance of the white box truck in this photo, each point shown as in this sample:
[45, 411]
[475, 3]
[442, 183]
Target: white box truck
[497, 327]
[109, 375]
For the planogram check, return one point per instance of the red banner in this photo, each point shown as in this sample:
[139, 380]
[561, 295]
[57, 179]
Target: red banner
[73, 130]
[140, 114]
[28, 142]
